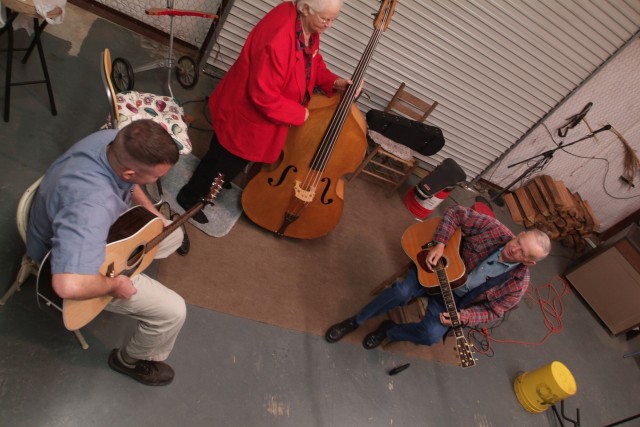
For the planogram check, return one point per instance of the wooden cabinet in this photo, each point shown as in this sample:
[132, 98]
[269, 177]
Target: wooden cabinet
[609, 281]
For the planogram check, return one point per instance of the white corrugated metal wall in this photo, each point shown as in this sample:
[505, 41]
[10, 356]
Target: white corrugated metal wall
[495, 67]
[187, 28]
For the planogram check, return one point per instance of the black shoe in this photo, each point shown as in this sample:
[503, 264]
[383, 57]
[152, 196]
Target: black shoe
[199, 217]
[185, 246]
[339, 330]
[145, 371]
[375, 338]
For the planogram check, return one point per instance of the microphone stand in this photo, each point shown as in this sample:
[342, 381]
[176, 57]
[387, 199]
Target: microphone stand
[545, 157]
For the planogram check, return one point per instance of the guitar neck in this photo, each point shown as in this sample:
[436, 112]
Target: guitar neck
[167, 230]
[465, 352]
[213, 193]
[451, 263]
[447, 296]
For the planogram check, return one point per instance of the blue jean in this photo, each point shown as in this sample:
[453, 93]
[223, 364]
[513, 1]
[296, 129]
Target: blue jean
[428, 331]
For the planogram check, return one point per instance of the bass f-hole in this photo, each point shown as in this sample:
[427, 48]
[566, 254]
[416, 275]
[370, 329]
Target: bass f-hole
[282, 177]
[325, 199]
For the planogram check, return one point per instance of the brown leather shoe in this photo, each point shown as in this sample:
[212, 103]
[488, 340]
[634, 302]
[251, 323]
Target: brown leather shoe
[145, 371]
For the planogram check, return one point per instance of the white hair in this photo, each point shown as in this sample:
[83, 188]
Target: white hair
[543, 241]
[318, 5]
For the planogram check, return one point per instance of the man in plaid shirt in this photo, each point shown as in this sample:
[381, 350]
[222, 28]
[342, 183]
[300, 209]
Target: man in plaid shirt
[498, 265]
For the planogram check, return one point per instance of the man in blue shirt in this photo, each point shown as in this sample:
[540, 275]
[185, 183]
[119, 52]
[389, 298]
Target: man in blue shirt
[82, 194]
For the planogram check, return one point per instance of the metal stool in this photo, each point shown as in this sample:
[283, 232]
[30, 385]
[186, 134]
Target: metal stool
[14, 8]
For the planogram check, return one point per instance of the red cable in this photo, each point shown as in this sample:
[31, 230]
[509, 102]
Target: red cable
[552, 309]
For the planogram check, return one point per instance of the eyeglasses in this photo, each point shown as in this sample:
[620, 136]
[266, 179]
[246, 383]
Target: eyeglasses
[326, 21]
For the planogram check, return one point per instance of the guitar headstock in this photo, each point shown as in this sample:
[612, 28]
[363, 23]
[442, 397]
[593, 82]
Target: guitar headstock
[465, 352]
[216, 186]
[387, 7]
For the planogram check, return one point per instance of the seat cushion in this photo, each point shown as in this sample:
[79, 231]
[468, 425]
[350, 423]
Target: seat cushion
[398, 150]
[161, 109]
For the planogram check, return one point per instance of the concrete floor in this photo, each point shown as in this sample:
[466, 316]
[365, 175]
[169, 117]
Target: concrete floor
[235, 372]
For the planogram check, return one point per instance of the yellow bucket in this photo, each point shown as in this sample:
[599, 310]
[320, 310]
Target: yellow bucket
[538, 390]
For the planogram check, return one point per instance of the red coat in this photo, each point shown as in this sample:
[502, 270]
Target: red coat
[260, 96]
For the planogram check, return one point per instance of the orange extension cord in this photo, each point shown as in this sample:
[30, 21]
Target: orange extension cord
[549, 299]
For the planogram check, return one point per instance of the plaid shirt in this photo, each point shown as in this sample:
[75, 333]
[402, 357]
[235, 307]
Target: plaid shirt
[481, 235]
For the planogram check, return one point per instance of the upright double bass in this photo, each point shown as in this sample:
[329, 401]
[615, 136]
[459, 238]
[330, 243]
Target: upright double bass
[302, 195]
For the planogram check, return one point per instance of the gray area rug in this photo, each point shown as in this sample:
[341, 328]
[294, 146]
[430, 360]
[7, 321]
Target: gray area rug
[222, 215]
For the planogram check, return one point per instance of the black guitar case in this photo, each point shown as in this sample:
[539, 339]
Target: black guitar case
[420, 137]
[447, 174]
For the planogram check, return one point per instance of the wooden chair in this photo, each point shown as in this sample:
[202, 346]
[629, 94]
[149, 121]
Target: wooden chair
[387, 160]
[414, 310]
[128, 106]
[29, 267]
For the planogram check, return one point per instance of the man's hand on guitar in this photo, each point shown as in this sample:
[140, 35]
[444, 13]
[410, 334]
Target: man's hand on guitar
[434, 255]
[445, 319]
[85, 286]
[123, 288]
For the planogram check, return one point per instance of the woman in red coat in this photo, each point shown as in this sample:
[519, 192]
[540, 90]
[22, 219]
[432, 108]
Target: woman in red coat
[265, 92]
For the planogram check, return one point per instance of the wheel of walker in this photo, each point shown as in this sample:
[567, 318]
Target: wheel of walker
[122, 74]
[187, 72]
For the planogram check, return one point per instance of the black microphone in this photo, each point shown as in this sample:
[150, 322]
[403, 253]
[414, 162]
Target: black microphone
[399, 369]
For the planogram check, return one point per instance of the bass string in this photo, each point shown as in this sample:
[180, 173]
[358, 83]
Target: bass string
[333, 131]
[321, 159]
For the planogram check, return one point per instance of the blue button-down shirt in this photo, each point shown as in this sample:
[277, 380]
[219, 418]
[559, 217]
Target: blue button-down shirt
[490, 267]
[78, 200]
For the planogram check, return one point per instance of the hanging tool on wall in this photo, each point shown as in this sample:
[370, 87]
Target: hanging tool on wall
[574, 120]
[630, 162]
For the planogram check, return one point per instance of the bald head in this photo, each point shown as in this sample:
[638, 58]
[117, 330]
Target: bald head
[542, 241]
[527, 248]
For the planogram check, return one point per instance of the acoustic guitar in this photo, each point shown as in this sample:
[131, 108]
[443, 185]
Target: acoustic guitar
[132, 244]
[416, 242]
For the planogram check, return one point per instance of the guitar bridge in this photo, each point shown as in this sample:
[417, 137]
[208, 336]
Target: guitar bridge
[429, 245]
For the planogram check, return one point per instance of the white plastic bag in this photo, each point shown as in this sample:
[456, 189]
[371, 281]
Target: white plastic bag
[43, 7]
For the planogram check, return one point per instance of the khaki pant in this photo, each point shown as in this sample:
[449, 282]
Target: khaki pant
[160, 312]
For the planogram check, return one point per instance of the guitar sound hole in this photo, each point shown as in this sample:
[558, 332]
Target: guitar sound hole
[444, 261]
[421, 259]
[136, 256]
